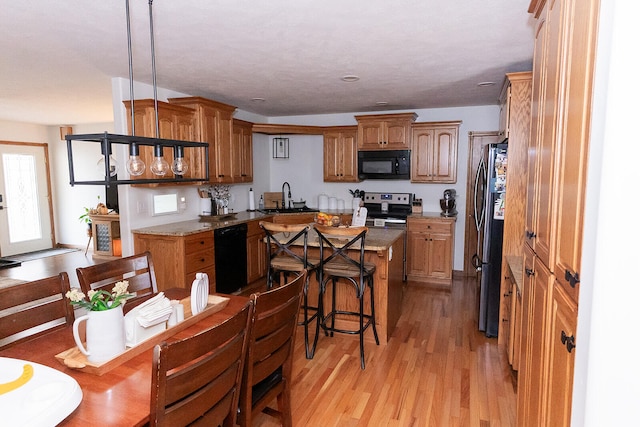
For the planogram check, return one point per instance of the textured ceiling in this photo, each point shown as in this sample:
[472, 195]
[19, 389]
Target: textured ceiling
[58, 57]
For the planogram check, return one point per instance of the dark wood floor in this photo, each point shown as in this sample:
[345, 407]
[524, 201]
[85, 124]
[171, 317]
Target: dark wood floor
[436, 370]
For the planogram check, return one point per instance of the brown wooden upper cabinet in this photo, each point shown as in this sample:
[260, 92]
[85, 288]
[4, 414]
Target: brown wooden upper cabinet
[434, 152]
[340, 154]
[214, 124]
[242, 151]
[174, 122]
[385, 131]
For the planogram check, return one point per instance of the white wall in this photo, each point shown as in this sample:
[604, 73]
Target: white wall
[607, 373]
[69, 202]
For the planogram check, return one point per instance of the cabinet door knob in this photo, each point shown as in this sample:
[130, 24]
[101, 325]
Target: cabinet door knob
[530, 234]
[529, 272]
[568, 341]
[573, 279]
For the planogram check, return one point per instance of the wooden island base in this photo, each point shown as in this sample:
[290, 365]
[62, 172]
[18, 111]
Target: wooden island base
[385, 249]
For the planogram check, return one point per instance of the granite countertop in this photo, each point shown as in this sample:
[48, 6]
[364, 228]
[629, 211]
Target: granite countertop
[185, 228]
[377, 239]
[432, 215]
[515, 265]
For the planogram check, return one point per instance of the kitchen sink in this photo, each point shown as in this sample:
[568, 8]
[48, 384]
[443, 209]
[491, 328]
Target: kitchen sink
[287, 210]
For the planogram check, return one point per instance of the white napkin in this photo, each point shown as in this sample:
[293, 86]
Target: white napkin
[154, 311]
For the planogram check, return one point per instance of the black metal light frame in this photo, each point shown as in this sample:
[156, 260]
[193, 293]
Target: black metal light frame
[106, 140]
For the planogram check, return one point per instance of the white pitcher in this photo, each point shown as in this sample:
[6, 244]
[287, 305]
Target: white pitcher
[105, 334]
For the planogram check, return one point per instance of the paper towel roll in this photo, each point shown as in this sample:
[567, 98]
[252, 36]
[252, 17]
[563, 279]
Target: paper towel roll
[205, 206]
[252, 200]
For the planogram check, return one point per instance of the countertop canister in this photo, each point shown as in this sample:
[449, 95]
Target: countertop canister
[333, 203]
[323, 202]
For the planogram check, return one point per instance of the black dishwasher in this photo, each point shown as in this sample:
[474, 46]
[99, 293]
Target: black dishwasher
[231, 258]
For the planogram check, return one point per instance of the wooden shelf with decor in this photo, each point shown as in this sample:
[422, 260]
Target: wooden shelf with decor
[105, 231]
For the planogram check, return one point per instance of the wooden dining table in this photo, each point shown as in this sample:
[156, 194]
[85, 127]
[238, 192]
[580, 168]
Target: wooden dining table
[121, 396]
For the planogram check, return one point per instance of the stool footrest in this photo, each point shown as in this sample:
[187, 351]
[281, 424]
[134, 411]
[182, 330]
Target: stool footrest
[367, 317]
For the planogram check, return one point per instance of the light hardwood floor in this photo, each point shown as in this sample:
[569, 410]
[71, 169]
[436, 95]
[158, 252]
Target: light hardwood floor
[436, 370]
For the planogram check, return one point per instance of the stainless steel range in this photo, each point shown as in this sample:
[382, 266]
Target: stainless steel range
[389, 210]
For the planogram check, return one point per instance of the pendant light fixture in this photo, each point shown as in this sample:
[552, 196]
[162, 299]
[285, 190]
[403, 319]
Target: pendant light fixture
[179, 166]
[134, 164]
[159, 166]
[113, 165]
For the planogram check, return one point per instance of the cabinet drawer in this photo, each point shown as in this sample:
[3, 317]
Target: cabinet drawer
[198, 242]
[211, 272]
[434, 226]
[253, 228]
[199, 261]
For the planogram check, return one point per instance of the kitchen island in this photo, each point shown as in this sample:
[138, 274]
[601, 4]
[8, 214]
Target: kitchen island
[384, 248]
[181, 249]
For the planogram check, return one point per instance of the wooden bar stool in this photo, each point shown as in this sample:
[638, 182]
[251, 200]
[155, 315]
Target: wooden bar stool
[282, 261]
[338, 267]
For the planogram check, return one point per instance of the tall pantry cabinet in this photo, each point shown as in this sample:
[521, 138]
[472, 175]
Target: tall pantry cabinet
[515, 121]
[561, 115]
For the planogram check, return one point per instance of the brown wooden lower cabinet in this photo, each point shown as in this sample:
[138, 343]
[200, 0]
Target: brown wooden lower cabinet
[177, 259]
[562, 342]
[256, 252]
[512, 313]
[430, 249]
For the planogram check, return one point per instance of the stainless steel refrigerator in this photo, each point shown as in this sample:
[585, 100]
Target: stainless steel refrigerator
[490, 188]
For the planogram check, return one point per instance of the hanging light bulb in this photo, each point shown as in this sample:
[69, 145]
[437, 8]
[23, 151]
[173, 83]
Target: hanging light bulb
[179, 165]
[159, 166]
[135, 165]
[113, 164]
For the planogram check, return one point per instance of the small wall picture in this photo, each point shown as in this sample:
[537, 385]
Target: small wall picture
[280, 148]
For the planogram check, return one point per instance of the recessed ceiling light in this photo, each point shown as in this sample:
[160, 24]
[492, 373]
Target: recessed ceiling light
[257, 99]
[382, 103]
[483, 84]
[349, 78]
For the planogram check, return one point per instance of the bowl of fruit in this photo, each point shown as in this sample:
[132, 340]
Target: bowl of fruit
[327, 219]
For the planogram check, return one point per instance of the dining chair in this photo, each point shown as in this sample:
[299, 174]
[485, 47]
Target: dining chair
[34, 308]
[267, 372]
[337, 266]
[282, 261]
[196, 381]
[136, 269]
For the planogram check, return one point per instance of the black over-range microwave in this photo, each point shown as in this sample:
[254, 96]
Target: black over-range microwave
[384, 164]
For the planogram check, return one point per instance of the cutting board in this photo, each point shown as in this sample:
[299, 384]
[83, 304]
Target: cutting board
[271, 198]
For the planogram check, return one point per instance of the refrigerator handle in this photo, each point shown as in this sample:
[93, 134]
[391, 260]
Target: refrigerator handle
[479, 215]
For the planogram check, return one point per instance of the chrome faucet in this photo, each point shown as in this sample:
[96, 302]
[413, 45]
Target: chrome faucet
[288, 194]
